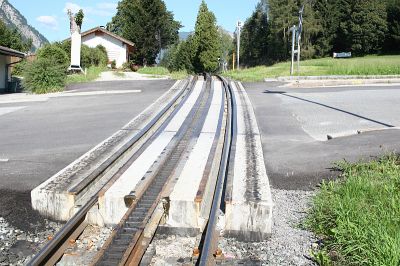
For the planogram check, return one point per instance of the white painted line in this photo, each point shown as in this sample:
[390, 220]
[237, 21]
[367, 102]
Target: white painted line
[3, 160]
[91, 93]
[7, 110]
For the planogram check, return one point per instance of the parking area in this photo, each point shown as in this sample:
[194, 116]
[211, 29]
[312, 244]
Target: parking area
[295, 124]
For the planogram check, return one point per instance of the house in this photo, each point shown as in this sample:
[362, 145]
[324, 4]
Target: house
[7, 58]
[118, 48]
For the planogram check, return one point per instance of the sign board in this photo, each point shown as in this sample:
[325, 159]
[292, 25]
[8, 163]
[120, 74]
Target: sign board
[342, 55]
[239, 24]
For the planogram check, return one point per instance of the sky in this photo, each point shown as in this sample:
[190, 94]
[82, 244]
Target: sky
[50, 18]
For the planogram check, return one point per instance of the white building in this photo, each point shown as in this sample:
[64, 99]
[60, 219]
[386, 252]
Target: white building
[118, 48]
[7, 58]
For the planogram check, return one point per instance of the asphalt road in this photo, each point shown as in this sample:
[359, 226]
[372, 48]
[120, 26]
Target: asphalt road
[295, 122]
[38, 139]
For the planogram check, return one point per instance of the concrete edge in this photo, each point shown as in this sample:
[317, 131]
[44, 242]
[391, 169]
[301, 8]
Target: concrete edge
[48, 208]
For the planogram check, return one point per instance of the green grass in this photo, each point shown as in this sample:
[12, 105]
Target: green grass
[358, 216]
[156, 72]
[178, 75]
[368, 65]
[92, 74]
[153, 70]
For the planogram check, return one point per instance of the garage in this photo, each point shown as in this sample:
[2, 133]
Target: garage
[8, 57]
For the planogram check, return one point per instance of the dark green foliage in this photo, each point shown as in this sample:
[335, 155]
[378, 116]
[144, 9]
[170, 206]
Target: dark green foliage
[148, 24]
[55, 53]
[12, 38]
[358, 26]
[44, 75]
[206, 41]
[79, 18]
[254, 37]
[392, 40]
[18, 68]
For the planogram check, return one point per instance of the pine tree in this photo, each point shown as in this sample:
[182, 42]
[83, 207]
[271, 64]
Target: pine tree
[206, 41]
[148, 24]
[254, 37]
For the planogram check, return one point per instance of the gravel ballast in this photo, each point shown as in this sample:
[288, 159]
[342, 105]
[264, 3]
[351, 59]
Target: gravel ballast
[17, 247]
[288, 245]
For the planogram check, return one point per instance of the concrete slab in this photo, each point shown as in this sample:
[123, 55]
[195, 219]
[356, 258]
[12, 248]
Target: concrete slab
[185, 209]
[248, 214]
[112, 205]
[54, 199]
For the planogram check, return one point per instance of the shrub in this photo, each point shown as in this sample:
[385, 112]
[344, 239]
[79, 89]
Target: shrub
[113, 64]
[18, 69]
[54, 53]
[93, 56]
[44, 75]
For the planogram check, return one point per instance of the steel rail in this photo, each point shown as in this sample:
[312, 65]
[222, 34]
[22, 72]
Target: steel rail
[210, 240]
[127, 244]
[54, 249]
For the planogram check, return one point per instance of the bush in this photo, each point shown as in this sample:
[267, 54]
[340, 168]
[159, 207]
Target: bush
[113, 64]
[44, 75]
[54, 53]
[18, 69]
[93, 56]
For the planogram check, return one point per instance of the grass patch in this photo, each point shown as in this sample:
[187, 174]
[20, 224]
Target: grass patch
[92, 74]
[178, 75]
[153, 71]
[358, 216]
[368, 65]
[156, 72]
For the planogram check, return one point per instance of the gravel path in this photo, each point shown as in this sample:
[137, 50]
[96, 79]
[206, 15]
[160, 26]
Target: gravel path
[288, 245]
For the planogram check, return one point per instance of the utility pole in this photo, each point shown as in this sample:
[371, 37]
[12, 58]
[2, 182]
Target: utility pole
[238, 27]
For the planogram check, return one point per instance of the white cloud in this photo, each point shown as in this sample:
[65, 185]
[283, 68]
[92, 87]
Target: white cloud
[48, 21]
[101, 9]
[71, 6]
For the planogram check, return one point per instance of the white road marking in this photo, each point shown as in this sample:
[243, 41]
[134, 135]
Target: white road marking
[7, 110]
[3, 160]
[90, 93]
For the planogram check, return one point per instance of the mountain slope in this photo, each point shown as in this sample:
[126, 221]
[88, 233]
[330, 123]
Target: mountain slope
[14, 19]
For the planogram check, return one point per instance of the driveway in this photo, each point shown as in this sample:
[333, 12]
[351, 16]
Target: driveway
[40, 135]
[295, 124]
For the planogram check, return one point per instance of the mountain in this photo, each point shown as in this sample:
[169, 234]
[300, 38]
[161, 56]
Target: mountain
[183, 35]
[14, 19]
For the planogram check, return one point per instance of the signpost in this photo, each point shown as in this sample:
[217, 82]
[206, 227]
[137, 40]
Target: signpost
[296, 40]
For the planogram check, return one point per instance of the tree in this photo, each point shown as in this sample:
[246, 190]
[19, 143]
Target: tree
[254, 37]
[206, 41]
[148, 24]
[392, 39]
[79, 18]
[12, 38]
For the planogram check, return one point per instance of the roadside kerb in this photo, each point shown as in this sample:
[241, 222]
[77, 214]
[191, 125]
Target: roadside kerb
[53, 198]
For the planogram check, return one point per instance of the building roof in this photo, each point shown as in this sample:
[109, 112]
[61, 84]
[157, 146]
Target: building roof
[108, 33]
[11, 52]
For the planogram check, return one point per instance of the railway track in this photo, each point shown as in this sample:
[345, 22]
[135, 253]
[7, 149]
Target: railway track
[131, 237]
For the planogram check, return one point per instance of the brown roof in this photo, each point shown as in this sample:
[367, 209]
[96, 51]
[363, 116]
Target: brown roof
[11, 52]
[108, 33]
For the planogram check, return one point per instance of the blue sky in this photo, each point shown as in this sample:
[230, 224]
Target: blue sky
[49, 17]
